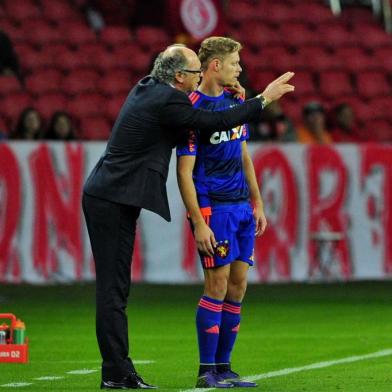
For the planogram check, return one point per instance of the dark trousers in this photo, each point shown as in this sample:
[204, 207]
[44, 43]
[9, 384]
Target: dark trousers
[111, 227]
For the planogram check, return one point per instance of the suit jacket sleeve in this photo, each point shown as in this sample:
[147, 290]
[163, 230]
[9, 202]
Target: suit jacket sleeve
[178, 112]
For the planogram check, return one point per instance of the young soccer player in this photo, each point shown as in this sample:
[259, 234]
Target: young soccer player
[220, 192]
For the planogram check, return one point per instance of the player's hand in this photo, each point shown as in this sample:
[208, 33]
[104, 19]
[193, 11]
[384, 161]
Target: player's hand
[205, 239]
[237, 90]
[278, 87]
[260, 219]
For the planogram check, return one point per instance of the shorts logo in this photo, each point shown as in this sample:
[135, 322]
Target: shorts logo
[222, 249]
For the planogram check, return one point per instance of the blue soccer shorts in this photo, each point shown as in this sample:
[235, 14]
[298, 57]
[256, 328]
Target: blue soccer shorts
[234, 229]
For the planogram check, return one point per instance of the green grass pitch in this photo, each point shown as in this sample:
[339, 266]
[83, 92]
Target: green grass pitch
[283, 326]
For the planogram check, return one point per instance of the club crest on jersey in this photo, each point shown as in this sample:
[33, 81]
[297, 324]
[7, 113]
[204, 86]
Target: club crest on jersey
[226, 136]
[222, 249]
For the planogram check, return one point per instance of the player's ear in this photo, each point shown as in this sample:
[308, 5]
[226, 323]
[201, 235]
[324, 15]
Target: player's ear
[216, 65]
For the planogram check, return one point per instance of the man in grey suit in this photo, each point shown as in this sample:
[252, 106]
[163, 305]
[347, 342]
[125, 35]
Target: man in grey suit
[131, 175]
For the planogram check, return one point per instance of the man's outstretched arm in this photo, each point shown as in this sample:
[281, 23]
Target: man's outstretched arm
[179, 113]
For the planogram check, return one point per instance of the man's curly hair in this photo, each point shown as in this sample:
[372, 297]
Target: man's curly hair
[166, 66]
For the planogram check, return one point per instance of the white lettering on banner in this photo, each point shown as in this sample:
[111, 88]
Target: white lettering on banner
[306, 190]
[199, 17]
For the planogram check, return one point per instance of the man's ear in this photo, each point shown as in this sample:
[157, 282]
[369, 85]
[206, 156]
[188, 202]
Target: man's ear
[179, 77]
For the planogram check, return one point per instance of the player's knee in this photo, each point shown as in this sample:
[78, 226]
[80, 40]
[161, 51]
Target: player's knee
[217, 287]
[236, 290]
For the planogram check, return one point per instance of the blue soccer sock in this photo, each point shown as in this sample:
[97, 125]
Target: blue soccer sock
[230, 325]
[208, 320]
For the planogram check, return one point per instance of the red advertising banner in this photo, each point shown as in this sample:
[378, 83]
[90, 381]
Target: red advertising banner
[328, 210]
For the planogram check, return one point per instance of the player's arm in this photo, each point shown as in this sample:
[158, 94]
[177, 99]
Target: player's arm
[179, 113]
[204, 236]
[257, 201]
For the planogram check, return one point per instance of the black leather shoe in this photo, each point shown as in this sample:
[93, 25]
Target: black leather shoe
[133, 381]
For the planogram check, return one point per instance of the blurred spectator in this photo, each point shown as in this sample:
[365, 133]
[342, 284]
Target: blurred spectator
[314, 128]
[344, 127]
[60, 127]
[29, 126]
[9, 63]
[273, 126]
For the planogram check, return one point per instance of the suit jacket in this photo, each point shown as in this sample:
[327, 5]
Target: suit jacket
[133, 169]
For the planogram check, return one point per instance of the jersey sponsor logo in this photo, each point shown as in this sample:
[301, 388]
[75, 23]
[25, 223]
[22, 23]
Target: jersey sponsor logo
[222, 249]
[226, 136]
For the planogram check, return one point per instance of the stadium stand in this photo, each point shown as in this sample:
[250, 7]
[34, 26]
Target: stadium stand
[346, 58]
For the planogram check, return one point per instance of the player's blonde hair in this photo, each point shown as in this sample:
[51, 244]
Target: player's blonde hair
[217, 48]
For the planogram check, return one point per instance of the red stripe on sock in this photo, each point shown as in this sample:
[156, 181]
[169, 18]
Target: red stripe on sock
[210, 306]
[231, 308]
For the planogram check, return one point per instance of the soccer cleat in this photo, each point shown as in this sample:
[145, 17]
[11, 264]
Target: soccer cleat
[235, 379]
[133, 381]
[211, 380]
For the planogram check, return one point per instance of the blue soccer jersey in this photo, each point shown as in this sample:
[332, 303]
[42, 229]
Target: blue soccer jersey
[218, 174]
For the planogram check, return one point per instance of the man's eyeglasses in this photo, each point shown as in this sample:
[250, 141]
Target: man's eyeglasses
[193, 71]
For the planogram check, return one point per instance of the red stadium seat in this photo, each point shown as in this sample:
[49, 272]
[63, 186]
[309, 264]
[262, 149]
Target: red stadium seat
[152, 38]
[257, 36]
[105, 61]
[317, 58]
[16, 34]
[382, 106]
[117, 83]
[44, 81]
[13, 104]
[372, 84]
[335, 84]
[9, 85]
[34, 60]
[70, 60]
[355, 59]
[113, 107]
[372, 36]
[113, 36]
[131, 57]
[298, 34]
[240, 12]
[278, 12]
[315, 13]
[4, 127]
[86, 105]
[48, 104]
[380, 130]
[292, 110]
[383, 57]
[21, 10]
[59, 11]
[80, 81]
[277, 58]
[304, 83]
[43, 35]
[262, 79]
[77, 34]
[55, 49]
[95, 128]
[362, 110]
[335, 35]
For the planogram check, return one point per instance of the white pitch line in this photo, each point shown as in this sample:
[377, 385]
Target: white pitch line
[48, 378]
[136, 361]
[16, 384]
[317, 365]
[82, 371]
